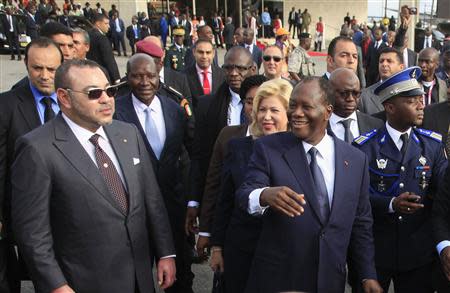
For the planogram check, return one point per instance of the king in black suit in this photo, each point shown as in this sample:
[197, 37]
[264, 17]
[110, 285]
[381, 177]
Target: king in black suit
[166, 161]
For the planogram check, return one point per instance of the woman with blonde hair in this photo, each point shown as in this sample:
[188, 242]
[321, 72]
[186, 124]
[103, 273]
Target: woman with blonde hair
[235, 232]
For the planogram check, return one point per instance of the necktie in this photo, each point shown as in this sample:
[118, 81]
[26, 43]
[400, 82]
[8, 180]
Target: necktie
[447, 142]
[206, 86]
[48, 112]
[243, 118]
[319, 183]
[348, 136]
[151, 131]
[376, 45]
[404, 137]
[110, 174]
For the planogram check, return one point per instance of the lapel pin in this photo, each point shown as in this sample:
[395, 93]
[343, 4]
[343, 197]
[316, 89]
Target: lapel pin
[346, 163]
[382, 163]
[422, 160]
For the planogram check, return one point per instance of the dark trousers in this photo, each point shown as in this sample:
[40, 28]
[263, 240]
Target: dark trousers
[414, 281]
[217, 38]
[13, 43]
[10, 273]
[440, 282]
[267, 31]
[119, 40]
[133, 46]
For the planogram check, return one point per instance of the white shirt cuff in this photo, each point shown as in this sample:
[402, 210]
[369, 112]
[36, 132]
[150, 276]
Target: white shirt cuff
[441, 245]
[391, 209]
[254, 207]
[204, 234]
[193, 204]
[168, 256]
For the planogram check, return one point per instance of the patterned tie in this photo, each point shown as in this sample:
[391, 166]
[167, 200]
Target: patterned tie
[206, 86]
[110, 174]
[151, 131]
[348, 136]
[404, 137]
[319, 183]
[48, 112]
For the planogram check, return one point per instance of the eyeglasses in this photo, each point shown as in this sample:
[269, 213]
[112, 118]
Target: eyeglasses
[347, 94]
[231, 67]
[96, 93]
[267, 58]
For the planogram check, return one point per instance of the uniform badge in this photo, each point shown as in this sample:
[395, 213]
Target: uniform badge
[382, 163]
[422, 160]
[381, 185]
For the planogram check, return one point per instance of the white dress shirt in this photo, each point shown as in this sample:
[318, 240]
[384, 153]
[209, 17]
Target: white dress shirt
[83, 135]
[427, 42]
[157, 115]
[378, 44]
[405, 57]
[338, 128]
[249, 47]
[234, 109]
[325, 160]
[117, 25]
[200, 75]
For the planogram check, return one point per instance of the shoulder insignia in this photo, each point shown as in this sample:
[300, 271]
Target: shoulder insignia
[431, 134]
[365, 137]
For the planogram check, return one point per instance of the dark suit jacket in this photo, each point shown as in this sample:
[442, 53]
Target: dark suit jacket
[130, 33]
[441, 211]
[369, 103]
[67, 223]
[31, 26]
[256, 55]
[228, 34]
[218, 77]
[373, 57]
[101, 52]
[6, 25]
[112, 29]
[210, 118]
[305, 253]
[213, 179]
[18, 116]
[367, 123]
[437, 118]
[412, 58]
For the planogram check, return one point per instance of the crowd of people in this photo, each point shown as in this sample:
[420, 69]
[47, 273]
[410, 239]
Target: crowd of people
[284, 179]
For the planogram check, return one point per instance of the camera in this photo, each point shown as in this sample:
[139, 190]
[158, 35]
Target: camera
[412, 10]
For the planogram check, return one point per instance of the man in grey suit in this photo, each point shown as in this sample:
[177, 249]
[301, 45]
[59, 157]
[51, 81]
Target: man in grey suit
[346, 122]
[87, 212]
[390, 62]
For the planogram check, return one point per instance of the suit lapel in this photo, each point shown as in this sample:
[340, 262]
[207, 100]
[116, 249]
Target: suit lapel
[169, 122]
[27, 107]
[70, 147]
[198, 88]
[296, 159]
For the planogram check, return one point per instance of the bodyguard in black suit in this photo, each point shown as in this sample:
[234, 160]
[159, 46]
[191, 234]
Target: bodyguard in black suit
[100, 50]
[11, 30]
[22, 110]
[373, 56]
[133, 34]
[31, 26]
[437, 118]
[345, 121]
[248, 44]
[143, 79]
[118, 33]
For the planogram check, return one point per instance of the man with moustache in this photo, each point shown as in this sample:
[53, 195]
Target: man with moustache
[435, 88]
[406, 166]
[311, 216]
[87, 212]
[145, 107]
[345, 121]
[23, 109]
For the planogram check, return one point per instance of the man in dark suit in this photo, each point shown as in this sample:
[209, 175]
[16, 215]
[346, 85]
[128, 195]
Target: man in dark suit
[434, 87]
[21, 110]
[406, 166]
[11, 30]
[186, 24]
[203, 32]
[214, 112]
[427, 41]
[85, 173]
[133, 34]
[292, 20]
[87, 11]
[172, 134]
[346, 122]
[101, 51]
[118, 33]
[390, 63]
[373, 57]
[437, 118]
[256, 52]
[31, 26]
[228, 33]
[411, 56]
[311, 216]
[203, 67]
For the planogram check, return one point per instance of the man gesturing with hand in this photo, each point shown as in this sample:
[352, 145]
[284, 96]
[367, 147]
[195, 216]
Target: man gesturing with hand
[298, 183]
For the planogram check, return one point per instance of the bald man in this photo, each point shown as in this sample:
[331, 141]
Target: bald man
[434, 87]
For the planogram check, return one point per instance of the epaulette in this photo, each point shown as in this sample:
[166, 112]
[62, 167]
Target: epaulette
[362, 139]
[431, 134]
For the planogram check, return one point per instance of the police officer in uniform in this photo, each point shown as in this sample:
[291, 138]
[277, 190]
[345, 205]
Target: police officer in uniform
[406, 167]
[300, 64]
[176, 53]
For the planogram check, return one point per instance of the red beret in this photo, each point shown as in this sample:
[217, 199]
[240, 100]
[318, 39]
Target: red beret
[149, 48]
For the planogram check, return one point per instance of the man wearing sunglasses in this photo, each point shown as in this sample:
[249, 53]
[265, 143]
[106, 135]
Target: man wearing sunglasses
[165, 143]
[213, 113]
[23, 109]
[272, 62]
[87, 212]
[345, 122]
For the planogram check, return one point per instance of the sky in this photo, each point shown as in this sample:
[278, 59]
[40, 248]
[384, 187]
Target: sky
[376, 7]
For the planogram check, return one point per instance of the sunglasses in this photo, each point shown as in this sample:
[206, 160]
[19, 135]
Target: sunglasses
[231, 67]
[96, 93]
[347, 94]
[267, 58]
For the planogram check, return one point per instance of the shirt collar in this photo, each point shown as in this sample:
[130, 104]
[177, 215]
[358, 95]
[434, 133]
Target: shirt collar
[82, 134]
[324, 147]
[178, 46]
[395, 134]
[199, 70]
[38, 95]
[235, 98]
[141, 107]
[335, 119]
